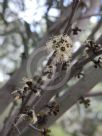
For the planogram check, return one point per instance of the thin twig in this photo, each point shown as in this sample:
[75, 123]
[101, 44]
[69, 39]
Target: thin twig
[88, 16]
[35, 128]
[74, 7]
[94, 94]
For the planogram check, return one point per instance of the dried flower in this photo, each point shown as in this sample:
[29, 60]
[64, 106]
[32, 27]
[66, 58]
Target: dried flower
[84, 101]
[19, 94]
[76, 30]
[53, 108]
[92, 47]
[30, 114]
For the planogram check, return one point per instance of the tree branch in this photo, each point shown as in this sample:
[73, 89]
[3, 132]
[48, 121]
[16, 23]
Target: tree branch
[90, 15]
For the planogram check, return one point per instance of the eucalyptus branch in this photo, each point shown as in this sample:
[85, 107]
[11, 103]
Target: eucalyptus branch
[41, 107]
[71, 96]
[48, 94]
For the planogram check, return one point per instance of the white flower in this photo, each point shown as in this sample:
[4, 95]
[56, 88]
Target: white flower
[62, 45]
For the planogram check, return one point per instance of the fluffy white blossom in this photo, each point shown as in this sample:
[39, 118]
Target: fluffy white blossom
[62, 46]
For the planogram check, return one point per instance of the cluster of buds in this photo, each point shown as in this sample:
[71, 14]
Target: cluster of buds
[76, 30]
[84, 101]
[92, 47]
[39, 119]
[33, 84]
[29, 114]
[21, 94]
[29, 86]
[53, 108]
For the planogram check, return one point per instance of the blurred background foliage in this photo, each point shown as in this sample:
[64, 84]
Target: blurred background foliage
[22, 24]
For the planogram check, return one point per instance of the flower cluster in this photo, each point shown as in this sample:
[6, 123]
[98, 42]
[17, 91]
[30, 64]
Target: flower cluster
[62, 45]
[30, 114]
